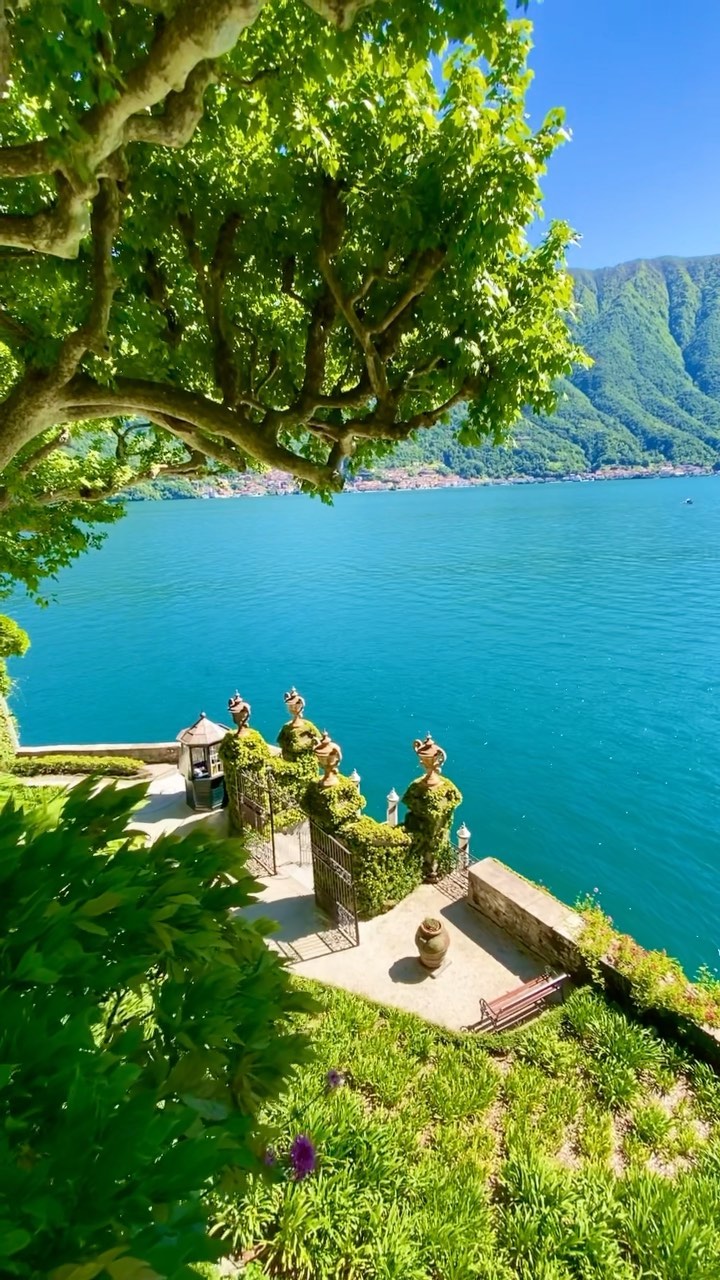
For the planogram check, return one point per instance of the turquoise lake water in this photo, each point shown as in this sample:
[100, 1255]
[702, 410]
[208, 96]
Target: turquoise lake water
[562, 642]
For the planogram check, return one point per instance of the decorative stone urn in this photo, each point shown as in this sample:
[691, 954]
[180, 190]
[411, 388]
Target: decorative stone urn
[432, 941]
[240, 711]
[432, 758]
[328, 756]
[295, 704]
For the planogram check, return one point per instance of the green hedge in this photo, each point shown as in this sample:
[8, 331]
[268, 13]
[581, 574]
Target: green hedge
[332, 807]
[298, 740]
[385, 865]
[429, 821]
[247, 750]
[105, 766]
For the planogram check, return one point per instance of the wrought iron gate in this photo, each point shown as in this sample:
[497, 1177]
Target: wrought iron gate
[253, 810]
[333, 882]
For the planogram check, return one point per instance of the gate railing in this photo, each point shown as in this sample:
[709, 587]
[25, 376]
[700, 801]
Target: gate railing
[333, 882]
[251, 807]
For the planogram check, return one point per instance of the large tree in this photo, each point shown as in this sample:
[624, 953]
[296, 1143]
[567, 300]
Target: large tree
[237, 233]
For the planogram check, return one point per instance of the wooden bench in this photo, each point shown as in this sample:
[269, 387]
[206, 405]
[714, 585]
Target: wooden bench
[520, 1003]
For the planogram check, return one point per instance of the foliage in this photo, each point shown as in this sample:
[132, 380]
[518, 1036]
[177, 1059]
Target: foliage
[312, 246]
[297, 740]
[7, 737]
[156, 1019]
[247, 750]
[429, 819]
[433, 1161]
[657, 982]
[14, 642]
[332, 807]
[386, 866]
[25, 795]
[290, 778]
[101, 766]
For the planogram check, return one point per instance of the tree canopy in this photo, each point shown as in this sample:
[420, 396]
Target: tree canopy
[240, 234]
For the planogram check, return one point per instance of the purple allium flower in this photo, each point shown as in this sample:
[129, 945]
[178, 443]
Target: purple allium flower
[302, 1156]
[334, 1080]
[270, 1157]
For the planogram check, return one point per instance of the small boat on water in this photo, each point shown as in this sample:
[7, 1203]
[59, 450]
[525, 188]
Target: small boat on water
[688, 502]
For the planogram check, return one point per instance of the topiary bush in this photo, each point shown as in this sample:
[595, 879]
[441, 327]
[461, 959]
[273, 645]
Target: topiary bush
[248, 750]
[429, 818]
[386, 867]
[298, 740]
[290, 780]
[100, 766]
[143, 1022]
[332, 807]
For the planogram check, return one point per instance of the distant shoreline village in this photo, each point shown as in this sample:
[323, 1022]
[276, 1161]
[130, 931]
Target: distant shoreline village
[278, 484]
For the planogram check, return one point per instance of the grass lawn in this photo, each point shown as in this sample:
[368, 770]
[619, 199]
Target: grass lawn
[580, 1148]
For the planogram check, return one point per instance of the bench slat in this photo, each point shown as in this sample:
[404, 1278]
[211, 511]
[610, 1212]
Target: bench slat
[517, 1004]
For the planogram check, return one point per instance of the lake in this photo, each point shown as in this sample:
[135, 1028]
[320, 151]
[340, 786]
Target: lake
[561, 642]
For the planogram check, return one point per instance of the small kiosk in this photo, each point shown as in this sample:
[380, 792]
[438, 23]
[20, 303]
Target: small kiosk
[201, 765]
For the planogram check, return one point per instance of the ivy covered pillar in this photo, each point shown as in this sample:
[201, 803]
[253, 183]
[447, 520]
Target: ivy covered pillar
[245, 750]
[431, 802]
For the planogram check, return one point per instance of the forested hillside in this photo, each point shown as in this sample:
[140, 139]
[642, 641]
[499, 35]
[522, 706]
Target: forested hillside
[652, 395]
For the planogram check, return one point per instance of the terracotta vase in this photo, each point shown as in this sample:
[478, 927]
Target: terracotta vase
[432, 941]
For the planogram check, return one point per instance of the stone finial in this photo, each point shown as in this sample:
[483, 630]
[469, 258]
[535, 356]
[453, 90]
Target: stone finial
[240, 711]
[463, 836]
[328, 756]
[295, 704]
[393, 800]
[355, 777]
[431, 757]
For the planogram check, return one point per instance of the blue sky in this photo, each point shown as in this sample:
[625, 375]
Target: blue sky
[640, 80]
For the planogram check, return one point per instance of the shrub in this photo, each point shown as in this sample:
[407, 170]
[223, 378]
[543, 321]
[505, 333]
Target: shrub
[298, 740]
[386, 867]
[14, 642]
[142, 1024]
[21, 793]
[7, 739]
[100, 766]
[332, 807]
[429, 821]
[657, 982]
[290, 780]
[248, 750]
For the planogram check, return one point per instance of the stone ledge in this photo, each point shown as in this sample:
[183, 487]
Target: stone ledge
[532, 916]
[150, 752]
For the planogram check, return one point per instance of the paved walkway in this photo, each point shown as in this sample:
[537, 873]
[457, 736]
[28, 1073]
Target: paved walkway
[483, 961]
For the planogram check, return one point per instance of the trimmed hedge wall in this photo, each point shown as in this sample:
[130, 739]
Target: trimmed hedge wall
[104, 766]
[386, 866]
[388, 862]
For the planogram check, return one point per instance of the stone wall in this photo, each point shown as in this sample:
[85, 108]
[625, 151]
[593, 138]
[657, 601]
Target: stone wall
[540, 922]
[150, 752]
[550, 929]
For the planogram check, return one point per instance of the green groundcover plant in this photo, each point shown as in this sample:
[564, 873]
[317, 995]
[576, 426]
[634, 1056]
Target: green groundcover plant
[142, 1024]
[583, 1147]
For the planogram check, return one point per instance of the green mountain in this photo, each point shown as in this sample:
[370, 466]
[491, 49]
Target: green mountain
[651, 397]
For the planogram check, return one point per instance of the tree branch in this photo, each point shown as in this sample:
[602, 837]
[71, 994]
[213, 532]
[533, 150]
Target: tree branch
[428, 265]
[182, 114]
[82, 398]
[92, 336]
